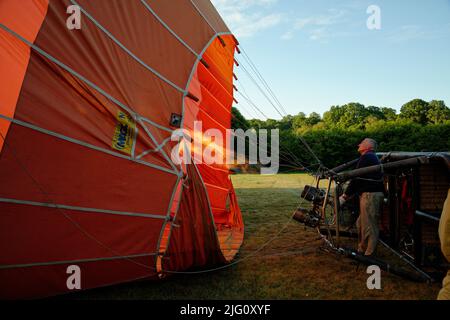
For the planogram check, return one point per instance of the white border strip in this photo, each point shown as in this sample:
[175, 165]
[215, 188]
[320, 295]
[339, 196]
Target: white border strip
[173, 224]
[81, 209]
[157, 149]
[167, 218]
[82, 78]
[170, 30]
[156, 73]
[84, 144]
[194, 69]
[166, 157]
[203, 16]
[54, 263]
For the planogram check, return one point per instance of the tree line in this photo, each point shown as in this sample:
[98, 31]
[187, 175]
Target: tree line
[419, 126]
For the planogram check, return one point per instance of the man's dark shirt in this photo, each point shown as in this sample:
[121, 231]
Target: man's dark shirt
[374, 182]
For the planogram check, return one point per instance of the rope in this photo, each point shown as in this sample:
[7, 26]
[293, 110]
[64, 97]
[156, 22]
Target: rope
[77, 225]
[262, 91]
[165, 25]
[128, 51]
[253, 66]
[255, 69]
[198, 56]
[277, 235]
[282, 153]
[276, 99]
[117, 254]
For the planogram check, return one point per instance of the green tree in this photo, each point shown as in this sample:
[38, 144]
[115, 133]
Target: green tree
[415, 110]
[372, 121]
[333, 116]
[353, 116]
[313, 119]
[298, 121]
[238, 121]
[438, 112]
[271, 124]
[421, 126]
[389, 114]
[256, 123]
[374, 112]
[286, 123]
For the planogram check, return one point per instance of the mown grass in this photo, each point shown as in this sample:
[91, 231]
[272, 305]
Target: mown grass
[289, 266]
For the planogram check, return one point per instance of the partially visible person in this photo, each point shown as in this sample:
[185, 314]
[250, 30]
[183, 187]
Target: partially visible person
[444, 236]
[370, 189]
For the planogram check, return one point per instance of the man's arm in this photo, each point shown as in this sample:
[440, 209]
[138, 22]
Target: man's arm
[366, 160]
[352, 188]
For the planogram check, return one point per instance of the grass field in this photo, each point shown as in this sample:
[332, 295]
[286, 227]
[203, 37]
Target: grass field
[289, 267]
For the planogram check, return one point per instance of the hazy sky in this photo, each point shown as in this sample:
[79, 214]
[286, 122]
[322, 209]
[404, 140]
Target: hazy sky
[318, 53]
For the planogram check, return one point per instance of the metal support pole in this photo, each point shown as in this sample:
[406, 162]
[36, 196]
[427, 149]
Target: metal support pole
[344, 176]
[325, 201]
[337, 208]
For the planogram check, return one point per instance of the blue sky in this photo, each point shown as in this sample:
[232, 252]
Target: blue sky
[318, 53]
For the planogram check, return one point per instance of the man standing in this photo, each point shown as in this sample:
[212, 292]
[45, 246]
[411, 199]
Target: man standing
[370, 189]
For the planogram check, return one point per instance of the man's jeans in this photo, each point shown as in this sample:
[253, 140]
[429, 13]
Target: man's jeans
[370, 205]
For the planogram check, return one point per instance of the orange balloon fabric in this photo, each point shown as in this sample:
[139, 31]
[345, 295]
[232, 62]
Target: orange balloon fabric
[86, 175]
